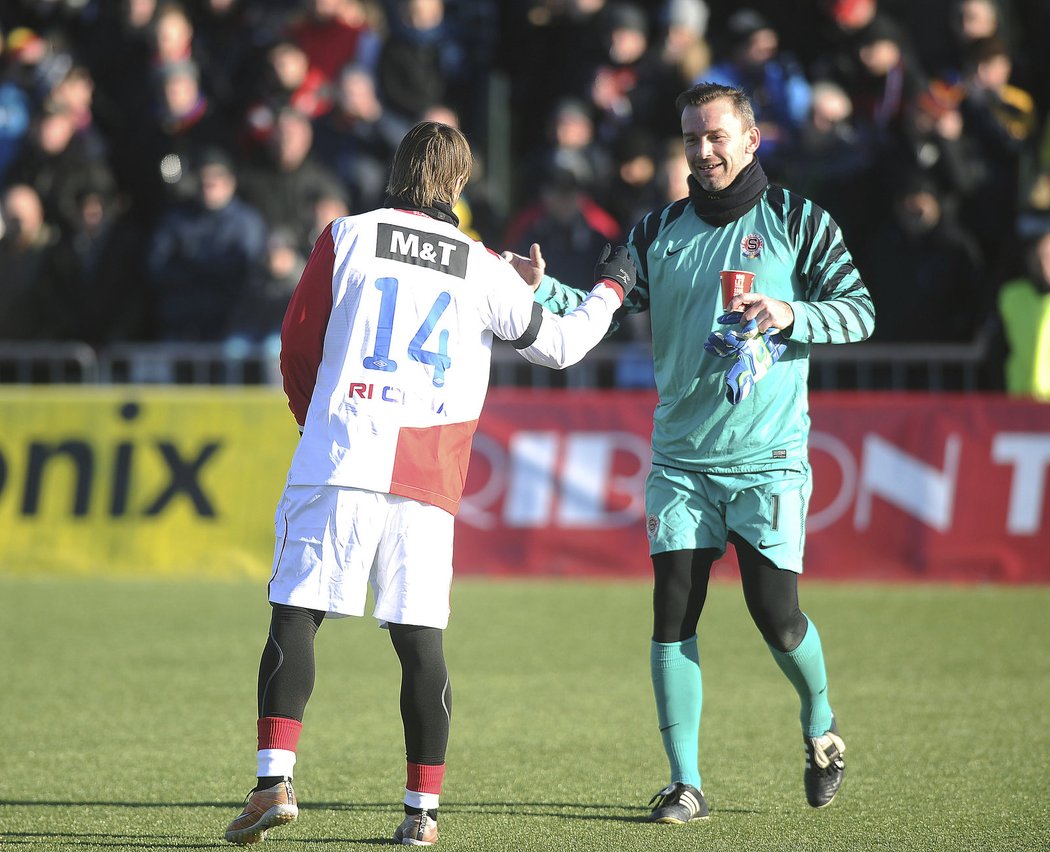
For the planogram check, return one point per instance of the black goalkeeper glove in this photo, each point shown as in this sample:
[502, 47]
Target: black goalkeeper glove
[616, 265]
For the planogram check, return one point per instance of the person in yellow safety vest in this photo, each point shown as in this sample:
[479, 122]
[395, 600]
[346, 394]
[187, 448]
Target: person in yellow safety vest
[1024, 307]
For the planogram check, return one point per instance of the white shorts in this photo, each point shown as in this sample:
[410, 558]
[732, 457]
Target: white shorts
[333, 542]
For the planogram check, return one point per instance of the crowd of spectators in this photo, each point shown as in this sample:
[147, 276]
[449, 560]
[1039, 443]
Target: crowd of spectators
[165, 165]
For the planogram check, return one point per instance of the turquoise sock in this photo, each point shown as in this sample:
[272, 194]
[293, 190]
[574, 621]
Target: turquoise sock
[804, 667]
[675, 668]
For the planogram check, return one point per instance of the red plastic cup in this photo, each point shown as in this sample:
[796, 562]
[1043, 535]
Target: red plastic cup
[734, 283]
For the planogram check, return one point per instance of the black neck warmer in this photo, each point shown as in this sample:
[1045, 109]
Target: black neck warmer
[729, 204]
[438, 210]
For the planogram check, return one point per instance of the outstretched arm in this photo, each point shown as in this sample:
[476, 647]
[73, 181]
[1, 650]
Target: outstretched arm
[560, 341]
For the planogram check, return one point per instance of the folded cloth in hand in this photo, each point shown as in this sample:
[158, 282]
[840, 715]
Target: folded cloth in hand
[754, 356]
[724, 344]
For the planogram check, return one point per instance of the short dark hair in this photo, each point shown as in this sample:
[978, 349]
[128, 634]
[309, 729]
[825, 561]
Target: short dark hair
[982, 49]
[704, 93]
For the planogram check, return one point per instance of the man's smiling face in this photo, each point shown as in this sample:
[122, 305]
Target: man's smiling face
[717, 145]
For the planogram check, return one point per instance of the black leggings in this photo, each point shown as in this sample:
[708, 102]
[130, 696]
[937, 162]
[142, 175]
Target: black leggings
[286, 671]
[680, 590]
[426, 695]
[286, 678]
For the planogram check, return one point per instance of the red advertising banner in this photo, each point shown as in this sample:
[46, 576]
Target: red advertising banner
[936, 487]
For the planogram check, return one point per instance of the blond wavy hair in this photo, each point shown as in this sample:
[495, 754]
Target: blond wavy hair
[432, 163]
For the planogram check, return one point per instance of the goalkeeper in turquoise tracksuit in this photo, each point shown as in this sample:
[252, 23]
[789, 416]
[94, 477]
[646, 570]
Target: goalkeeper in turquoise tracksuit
[731, 426]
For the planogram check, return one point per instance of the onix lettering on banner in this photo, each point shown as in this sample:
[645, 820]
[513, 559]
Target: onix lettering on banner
[79, 459]
[141, 480]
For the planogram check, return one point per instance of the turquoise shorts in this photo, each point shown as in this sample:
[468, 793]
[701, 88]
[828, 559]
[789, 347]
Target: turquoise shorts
[687, 510]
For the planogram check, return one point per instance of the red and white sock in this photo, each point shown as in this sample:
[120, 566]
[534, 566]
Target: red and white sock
[423, 785]
[278, 740]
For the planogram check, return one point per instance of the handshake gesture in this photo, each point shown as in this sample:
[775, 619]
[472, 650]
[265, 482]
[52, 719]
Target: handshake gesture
[754, 353]
[614, 266]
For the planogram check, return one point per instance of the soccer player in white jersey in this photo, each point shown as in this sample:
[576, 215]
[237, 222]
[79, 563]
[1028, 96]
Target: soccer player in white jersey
[386, 348]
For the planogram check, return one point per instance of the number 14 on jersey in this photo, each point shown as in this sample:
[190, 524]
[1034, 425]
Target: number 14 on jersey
[380, 358]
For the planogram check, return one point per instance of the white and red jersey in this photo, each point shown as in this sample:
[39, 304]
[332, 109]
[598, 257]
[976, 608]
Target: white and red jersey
[386, 347]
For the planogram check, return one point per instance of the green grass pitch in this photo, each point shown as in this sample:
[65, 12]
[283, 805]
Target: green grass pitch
[129, 720]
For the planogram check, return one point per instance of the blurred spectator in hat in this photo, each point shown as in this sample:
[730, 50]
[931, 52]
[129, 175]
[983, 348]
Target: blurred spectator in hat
[566, 221]
[834, 164]
[685, 41]
[422, 61]
[357, 138]
[926, 274]
[284, 79]
[1024, 312]
[174, 45]
[987, 82]
[159, 170]
[260, 307]
[887, 77]
[634, 368]
[27, 55]
[753, 61]
[635, 186]
[571, 139]
[52, 157]
[618, 89]
[202, 254]
[285, 182]
[75, 93]
[1000, 119]
[682, 54]
[26, 306]
[934, 141]
[25, 46]
[94, 271]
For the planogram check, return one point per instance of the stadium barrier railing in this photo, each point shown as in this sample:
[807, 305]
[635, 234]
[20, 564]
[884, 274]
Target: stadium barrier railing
[862, 366]
[47, 362]
[187, 364]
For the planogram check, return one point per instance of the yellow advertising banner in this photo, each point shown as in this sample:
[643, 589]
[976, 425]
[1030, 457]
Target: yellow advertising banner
[141, 480]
